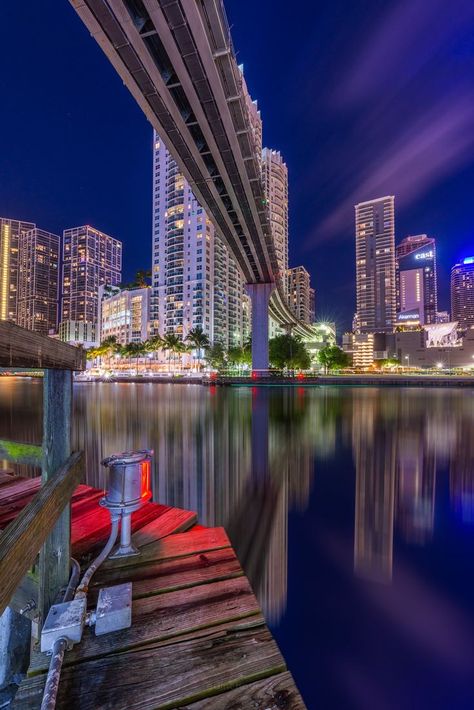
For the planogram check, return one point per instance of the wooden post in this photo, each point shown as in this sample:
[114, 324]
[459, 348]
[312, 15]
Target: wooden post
[55, 554]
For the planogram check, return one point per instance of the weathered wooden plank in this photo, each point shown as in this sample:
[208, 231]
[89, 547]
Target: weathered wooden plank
[179, 545]
[54, 563]
[170, 678]
[6, 476]
[16, 452]
[24, 348]
[164, 616]
[22, 539]
[80, 499]
[278, 692]
[171, 575]
[17, 489]
[91, 529]
[174, 520]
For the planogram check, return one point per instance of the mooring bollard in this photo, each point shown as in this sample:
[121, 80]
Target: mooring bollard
[129, 488]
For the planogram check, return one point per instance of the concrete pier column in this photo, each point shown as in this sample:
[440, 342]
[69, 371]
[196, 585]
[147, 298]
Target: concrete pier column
[259, 295]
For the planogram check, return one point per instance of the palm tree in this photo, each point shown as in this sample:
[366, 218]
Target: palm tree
[133, 350]
[108, 347]
[141, 278]
[198, 339]
[154, 344]
[173, 345]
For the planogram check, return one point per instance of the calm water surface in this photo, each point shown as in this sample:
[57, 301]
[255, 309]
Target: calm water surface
[351, 509]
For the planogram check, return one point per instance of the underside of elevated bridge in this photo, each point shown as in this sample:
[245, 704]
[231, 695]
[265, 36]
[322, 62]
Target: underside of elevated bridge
[176, 58]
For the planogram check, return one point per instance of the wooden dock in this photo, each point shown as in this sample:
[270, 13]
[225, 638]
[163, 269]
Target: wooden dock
[198, 640]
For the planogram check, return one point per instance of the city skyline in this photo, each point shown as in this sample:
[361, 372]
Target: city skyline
[118, 201]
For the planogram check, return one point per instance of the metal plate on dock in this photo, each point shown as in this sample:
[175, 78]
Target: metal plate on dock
[114, 609]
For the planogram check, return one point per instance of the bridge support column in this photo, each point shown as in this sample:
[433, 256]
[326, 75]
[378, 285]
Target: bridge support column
[259, 295]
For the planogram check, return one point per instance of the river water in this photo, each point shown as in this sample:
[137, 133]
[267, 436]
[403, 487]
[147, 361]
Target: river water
[351, 509]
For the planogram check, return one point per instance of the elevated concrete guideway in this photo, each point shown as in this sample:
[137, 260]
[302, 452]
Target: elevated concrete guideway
[176, 58]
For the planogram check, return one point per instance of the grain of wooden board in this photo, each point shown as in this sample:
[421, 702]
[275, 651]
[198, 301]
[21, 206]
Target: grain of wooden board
[168, 679]
[278, 692]
[23, 538]
[172, 521]
[171, 575]
[24, 348]
[179, 545]
[92, 527]
[18, 489]
[164, 616]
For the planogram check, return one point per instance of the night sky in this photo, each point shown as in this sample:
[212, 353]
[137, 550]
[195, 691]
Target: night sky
[362, 98]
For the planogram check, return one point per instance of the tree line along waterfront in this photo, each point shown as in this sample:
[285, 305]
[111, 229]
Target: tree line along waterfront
[196, 353]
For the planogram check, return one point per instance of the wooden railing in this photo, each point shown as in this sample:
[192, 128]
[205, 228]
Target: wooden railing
[22, 540]
[44, 525]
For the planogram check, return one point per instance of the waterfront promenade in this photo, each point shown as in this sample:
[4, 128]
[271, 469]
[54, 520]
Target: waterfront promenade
[379, 380]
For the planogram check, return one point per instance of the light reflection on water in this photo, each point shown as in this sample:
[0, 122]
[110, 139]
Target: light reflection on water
[333, 498]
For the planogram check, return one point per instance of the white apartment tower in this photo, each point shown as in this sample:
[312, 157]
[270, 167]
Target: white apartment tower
[196, 282]
[300, 298]
[275, 183]
[375, 265]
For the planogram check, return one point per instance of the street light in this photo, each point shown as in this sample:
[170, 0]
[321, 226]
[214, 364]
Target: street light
[439, 365]
[407, 358]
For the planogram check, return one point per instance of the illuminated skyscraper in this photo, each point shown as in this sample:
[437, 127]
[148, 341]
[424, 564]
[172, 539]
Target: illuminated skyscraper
[10, 232]
[417, 300]
[90, 260]
[462, 292]
[38, 281]
[196, 281]
[299, 294]
[375, 265]
[275, 183]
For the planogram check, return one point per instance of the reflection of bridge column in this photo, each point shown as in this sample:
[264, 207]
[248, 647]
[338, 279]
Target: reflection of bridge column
[259, 295]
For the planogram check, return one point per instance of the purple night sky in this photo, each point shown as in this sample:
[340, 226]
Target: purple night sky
[363, 99]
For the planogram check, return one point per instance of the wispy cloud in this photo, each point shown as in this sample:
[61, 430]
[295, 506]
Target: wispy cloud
[408, 102]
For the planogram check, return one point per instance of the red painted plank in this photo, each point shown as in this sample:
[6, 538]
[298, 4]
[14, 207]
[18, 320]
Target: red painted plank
[93, 527]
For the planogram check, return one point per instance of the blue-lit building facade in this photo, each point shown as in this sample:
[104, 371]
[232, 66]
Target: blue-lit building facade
[462, 292]
[417, 301]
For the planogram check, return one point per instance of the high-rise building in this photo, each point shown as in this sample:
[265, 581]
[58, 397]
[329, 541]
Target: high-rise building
[196, 281]
[312, 305]
[462, 292]
[417, 300]
[299, 294]
[38, 281]
[10, 232]
[275, 184]
[90, 260]
[124, 314]
[375, 265]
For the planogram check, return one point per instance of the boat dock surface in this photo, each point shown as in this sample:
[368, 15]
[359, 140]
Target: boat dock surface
[198, 640]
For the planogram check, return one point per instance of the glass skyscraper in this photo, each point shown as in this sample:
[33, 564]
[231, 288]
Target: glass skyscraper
[417, 300]
[90, 259]
[462, 292]
[375, 265]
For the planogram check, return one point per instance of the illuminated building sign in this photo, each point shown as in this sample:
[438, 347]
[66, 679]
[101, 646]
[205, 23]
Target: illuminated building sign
[421, 258]
[412, 316]
[468, 260]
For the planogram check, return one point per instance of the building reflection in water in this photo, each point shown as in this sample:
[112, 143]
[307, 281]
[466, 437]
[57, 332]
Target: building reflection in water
[374, 449]
[245, 458]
